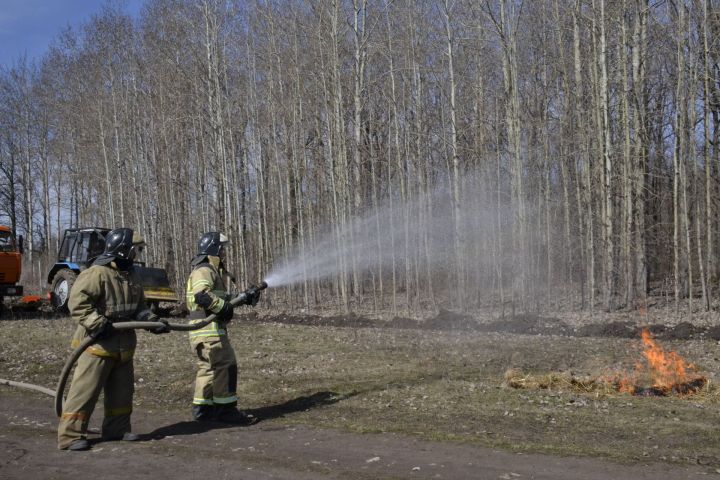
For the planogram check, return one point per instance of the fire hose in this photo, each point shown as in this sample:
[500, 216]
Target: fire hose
[72, 359]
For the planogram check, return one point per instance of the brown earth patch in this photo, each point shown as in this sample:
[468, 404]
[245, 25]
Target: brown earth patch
[612, 329]
[526, 324]
[182, 450]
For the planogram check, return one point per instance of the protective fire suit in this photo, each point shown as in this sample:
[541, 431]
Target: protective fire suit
[216, 379]
[100, 294]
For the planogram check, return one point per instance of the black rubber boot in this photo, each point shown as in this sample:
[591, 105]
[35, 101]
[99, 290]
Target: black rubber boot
[79, 445]
[126, 437]
[203, 413]
[230, 414]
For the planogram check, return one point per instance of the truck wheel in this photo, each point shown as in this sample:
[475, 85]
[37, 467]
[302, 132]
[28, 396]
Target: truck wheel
[2, 305]
[60, 290]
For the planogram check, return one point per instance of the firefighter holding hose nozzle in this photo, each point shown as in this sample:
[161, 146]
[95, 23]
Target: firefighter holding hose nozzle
[215, 397]
[103, 295]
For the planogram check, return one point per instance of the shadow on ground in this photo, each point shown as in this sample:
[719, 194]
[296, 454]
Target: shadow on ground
[270, 412]
[300, 404]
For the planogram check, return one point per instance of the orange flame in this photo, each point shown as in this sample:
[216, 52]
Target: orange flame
[667, 372]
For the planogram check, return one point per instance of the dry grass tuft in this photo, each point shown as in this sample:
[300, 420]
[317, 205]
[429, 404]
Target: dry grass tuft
[606, 385]
[566, 381]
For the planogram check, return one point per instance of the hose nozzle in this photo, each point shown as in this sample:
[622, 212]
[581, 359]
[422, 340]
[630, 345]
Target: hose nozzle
[249, 296]
[255, 289]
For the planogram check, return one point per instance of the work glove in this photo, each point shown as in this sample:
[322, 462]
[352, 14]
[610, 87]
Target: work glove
[253, 297]
[104, 330]
[148, 316]
[164, 328]
[203, 300]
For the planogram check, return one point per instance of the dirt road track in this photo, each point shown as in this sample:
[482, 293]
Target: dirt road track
[183, 450]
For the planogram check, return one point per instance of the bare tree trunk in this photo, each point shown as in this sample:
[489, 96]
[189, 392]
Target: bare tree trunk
[584, 177]
[108, 175]
[710, 267]
[628, 171]
[360, 54]
[455, 160]
[678, 160]
[641, 141]
[607, 186]
[119, 167]
[507, 34]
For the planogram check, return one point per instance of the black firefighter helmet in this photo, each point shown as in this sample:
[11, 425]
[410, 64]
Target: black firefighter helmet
[118, 245]
[210, 244]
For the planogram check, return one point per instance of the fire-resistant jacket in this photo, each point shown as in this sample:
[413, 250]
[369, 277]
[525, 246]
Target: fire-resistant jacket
[105, 292]
[206, 277]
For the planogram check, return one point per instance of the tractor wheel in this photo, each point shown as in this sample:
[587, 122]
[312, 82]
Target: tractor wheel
[60, 290]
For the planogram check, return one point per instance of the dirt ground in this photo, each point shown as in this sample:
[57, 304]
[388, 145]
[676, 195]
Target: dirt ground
[351, 396]
[184, 450]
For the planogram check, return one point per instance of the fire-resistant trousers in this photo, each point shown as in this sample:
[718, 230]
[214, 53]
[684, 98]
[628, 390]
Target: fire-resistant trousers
[94, 374]
[216, 379]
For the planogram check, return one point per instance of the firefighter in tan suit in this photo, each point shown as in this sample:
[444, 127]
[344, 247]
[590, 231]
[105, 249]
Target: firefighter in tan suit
[101, 296]
[215, 397]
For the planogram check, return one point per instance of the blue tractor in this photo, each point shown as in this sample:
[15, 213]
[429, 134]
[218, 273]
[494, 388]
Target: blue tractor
[79, 248]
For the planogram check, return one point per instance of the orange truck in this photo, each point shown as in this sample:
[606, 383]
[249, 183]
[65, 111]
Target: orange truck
[10, 264]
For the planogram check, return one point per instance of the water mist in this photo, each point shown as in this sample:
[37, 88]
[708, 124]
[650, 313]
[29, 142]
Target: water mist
[389, 237]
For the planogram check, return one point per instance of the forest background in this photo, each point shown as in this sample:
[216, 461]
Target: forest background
[571, 147]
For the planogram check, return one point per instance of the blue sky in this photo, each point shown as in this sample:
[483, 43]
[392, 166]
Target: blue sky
[28, 26]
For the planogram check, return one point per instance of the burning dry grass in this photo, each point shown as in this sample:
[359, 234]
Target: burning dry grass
[603, 385]
[660, 374]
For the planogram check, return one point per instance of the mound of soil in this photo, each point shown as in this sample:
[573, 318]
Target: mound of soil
[529, 325]
[349, 320]
[447, 320]
[525, 324]
[682, 331]
[611, 329]
[713, 332]
[657, 330]
[403, 322]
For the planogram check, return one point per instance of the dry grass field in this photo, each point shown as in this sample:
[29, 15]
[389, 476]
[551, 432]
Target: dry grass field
[447, 385]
